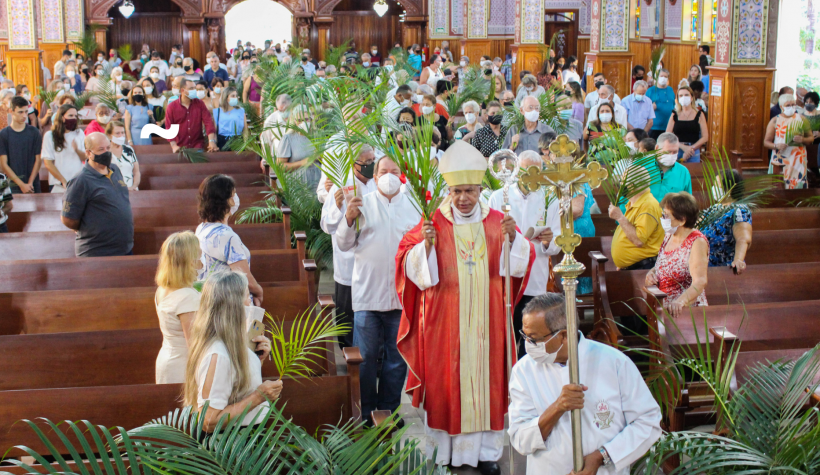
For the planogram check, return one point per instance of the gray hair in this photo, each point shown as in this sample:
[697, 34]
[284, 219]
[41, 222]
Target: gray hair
[667, 137]
[101, 107]
[611, 90]
[425, 89]
[365, 149]
[639, 84]
[473, 105]
[663, 70]
[330, 69]
[529, 80]
[784, 98]
[529, 156]
[486, 64]
[552, 306]
[414, 86]
[284, 99]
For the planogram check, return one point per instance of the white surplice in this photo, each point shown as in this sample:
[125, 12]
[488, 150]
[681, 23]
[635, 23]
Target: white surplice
[484, 446]
[619, 412]
[382, 225]
[528, 212]
[332, 217]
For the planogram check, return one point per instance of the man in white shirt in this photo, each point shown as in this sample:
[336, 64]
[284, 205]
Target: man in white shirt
[400, 99]
[65, 164]
[333, 214]
[176, 52]
[384, 216]
[605, 94]
[591, 100]
[164, 72]
[530, 211]
[620, 419]
[59, 66]
[272, 134]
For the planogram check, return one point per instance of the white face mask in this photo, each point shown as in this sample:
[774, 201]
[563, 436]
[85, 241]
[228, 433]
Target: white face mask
[200, 94]
[470, 118]
[667, 226]
[66, 86]
[235, 206]
[375, 51]
[685, 100]
[103, 119]
[118, 140]
[788, 111]
[389, 184]
[70, 74]
[630, 146]
[27, 96]
[663, 81]
[154, 76]
[639, 97]
[532, 116]
[417, 98]
[404, 103]
[603, 101]
[366, 64]
[538, 351]
[426, 110]
[148, 90]
[668, 159]
[175, 91]
[606, 117]
[463, 64]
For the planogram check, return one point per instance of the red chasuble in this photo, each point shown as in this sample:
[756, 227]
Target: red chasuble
[429, 331]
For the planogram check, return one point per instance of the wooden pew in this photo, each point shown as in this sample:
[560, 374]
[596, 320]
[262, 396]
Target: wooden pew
[218, 157]
[60, 244]
[184, 169]
[311, 403]
[187, 182]
[139, 199]
[152, 149]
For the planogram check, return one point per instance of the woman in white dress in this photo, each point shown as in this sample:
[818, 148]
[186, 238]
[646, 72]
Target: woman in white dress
[123, 155]
[431, 74]
[222, 370]
[222, 249]
[176, 301]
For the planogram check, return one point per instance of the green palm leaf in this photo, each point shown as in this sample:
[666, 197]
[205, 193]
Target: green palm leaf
[628, 174]
[47, 96]
[87, 42]
[107, 93]
[82, 99]
[655, 61]
[125, 53]
[193, 155]
[551, 103]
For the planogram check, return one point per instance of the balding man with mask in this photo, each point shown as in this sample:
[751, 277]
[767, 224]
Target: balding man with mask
[527, 137]
[96, 204]
[606, 93]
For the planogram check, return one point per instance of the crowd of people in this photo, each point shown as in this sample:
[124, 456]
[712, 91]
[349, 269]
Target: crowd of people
[385, 255]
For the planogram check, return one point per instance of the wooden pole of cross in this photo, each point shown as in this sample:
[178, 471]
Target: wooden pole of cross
[565, 177]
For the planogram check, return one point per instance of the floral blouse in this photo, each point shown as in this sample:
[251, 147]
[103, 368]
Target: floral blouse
[720, 236]
[672, 269]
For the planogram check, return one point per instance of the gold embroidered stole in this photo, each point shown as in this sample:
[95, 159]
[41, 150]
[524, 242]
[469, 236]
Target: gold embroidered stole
[474, 325]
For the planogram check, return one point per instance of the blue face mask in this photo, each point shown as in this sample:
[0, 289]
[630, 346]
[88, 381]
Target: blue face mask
[191, 94]
[565, 114]
[233, 101]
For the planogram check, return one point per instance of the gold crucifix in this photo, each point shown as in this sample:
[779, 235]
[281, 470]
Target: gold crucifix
[564, 176]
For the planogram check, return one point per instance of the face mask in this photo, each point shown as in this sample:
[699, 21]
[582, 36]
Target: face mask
[366, 64]
[463, 64]
[143, 57]
[66, 86]
[27, 96]
[103, 119]
[538, 351]
[235, 206]
[148, 89]
[389, 184]
[685, 100]
[138, 97]
[508, 103]
[192, 94]
[367, 170]
[487, 72]
[603, 101]
[470, 118]
[532, 116]
[639, 97]
[630, 146]
[99, 72]
[598, 84]
[60, 93]
[389, 67]
[663, 81]
[810, 107]
[187, 68]
[217, 90]
[175, 91]
[70, 124]
[154, 76]
[606, 117]
[118, 140]
[100, 58]
[565, 114]
[201, 94]
[667, 226]
[103, 159]
[788, 111]
[495, 119]
[70, 74]
[426, 110]
[417, 98]
[668, 159]
[233, 101]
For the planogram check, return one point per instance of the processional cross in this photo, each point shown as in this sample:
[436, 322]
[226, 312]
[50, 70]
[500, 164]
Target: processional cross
[563, 177]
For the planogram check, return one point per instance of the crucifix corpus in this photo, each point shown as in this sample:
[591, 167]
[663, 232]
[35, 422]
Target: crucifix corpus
[564, 177]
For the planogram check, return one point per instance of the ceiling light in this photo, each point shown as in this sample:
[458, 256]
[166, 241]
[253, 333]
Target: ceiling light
[127, 8]
[380, 7]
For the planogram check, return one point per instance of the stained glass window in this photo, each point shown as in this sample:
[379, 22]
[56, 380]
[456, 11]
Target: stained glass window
[638, 20]
[694, 34]
[714, 18]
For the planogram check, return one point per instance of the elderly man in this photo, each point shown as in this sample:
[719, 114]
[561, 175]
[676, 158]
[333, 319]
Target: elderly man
[164, 72]
[192, 115]
[96, 204]
[307, 66]
[663, 103]
[605, 94]
[215, 71]
[274, 125]
[527, 138]
[401, 98]
[639, 234]
[620, 419]
[453, 330]
[507, 98]
[190, 73]
[640, 114]
[674, 176]
[531, 213]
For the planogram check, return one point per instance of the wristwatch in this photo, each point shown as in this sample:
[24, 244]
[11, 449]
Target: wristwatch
[212, 140]
[605, 455]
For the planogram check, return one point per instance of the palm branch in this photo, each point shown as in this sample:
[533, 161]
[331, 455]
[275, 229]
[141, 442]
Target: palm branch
[655, 61]
[796, 128]
[475, 89]
[107, 93]
[82, 99]
[125, 53]
[550, 103]
[545, 49]
[87, 42]
[814, 122]
[335, 54]
[193, 155]
[628, 174]
[47, 96]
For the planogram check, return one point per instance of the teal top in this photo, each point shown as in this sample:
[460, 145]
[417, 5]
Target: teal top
[230, 123]
[675, 180]
[664, 100]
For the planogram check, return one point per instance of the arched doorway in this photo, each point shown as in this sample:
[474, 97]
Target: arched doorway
[257, 21]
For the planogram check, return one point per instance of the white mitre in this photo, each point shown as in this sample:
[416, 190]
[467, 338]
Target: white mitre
[462, 164]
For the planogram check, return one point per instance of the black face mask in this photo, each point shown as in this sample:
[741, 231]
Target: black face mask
[125, 92]
[138, 98]
[598, 84]
[103, 159]
[810, 107]
[188, 68]
[304, 59]
[367, 170]
[487, 72]
[508, 103]
[278, 50]
[639, 78]
[495, 119]
[245, 58]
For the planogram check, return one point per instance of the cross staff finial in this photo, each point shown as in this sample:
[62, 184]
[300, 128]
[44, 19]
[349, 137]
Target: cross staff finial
[562, 146]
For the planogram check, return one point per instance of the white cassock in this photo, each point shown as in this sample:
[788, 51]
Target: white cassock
[485, 446]
[619, 412]
[528, 212]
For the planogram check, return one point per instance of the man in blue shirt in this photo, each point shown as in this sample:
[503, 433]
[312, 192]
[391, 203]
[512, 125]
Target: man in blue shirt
[640, 114]
[215, 71]
[674, 176]
[663, 102]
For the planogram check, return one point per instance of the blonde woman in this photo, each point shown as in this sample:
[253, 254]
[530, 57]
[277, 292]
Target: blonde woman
[176, 301]
[222, 370]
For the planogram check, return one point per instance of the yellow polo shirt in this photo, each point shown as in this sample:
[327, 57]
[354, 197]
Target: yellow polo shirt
[645, 215]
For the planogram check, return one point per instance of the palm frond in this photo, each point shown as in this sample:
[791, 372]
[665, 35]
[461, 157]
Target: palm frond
[107, 93]
[335, 54]
[551, 103]
[125, 53]
[88, 42]
[475, 89]
[47, 96]
[628, 174]
[655, 61]
[83, 99]
[193, 155]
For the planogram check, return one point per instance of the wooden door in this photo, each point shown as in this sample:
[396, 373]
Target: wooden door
[565, 23]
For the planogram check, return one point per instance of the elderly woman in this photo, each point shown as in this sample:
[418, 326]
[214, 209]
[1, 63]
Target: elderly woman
[529, 87]
[689, 125]
[176, 302]
[730, 231]
[680, 270]
[221, 369]
[123, 155]
[296, 150]
[787, 134]
[467, 130]
[222, 248]
[274, 125]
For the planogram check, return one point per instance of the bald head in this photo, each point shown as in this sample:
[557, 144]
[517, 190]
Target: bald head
[530, 103]
[96, 143]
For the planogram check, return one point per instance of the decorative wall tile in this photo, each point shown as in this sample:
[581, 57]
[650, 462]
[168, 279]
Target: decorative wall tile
[595, 26]
[673, 19]
[4, 20]
[723, 32]
[750, 23]
[51, 21]
[37, 30]
[73, 20]
[457, 17]
[648, 19]
[615, 21]
[532, 21]
[502, 18]
[21, 24]
[439, 18]
[478, 12]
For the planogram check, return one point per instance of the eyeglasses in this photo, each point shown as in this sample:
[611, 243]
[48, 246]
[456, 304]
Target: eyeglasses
[533, 342]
